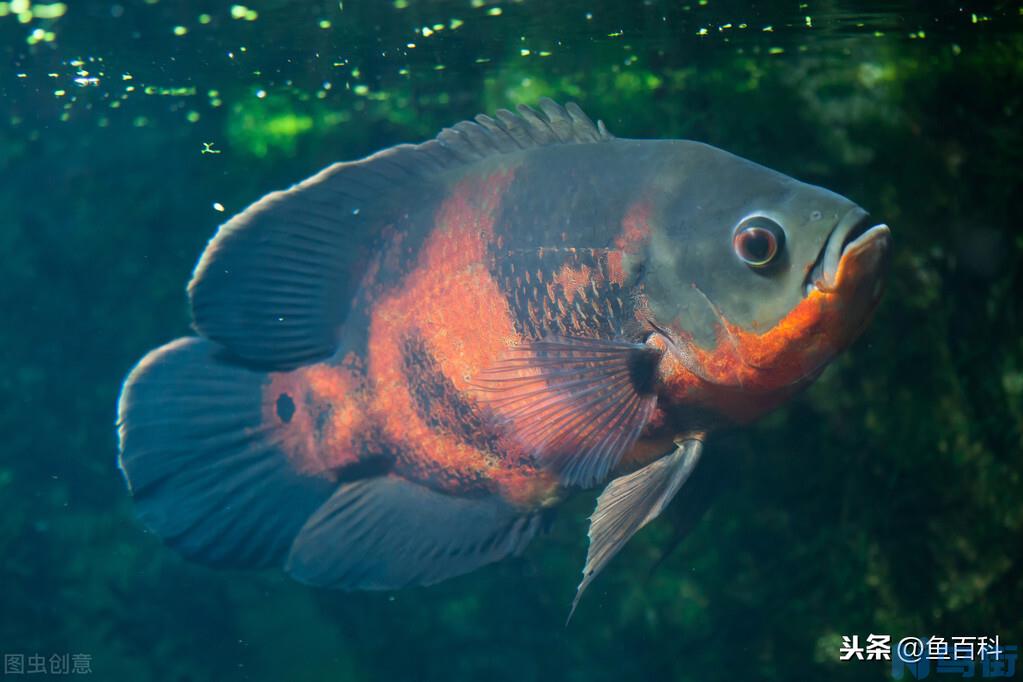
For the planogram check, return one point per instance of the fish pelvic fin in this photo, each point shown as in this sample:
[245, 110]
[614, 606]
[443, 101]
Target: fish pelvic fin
[630, 502]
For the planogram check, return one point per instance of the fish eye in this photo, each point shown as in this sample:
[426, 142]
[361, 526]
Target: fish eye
[758, 241]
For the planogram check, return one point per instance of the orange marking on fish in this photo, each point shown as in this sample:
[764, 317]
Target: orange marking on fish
[749, 373]
[615, 267]
[574, 280]
[527, 487]
[451, 301]
[635, 227]
[317, 411]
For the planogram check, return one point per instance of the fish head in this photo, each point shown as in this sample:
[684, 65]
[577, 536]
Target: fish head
[753, 280]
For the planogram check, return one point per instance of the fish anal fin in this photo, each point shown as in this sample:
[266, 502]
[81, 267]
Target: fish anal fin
[630, 502]
[575, 405]
[387, 533]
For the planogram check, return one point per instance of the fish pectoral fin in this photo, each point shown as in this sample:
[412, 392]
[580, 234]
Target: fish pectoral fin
[630, 502]
[387, 533]
[575, 405]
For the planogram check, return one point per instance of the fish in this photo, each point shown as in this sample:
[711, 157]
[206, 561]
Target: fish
[403, 366]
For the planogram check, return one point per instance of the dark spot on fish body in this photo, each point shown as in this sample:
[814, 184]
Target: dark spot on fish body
[285, 408]
[317, 414]
[372, 444]
[322, 412]
[440, 405]
[643, 371]
[368, 466]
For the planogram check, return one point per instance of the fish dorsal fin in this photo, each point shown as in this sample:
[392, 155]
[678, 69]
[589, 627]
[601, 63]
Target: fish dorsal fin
[275, 283]
[509, 132]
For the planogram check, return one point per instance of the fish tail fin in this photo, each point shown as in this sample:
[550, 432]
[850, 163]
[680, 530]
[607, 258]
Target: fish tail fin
[211, 475]
[205, 467]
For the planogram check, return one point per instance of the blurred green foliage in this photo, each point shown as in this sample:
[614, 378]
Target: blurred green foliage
[887, 499]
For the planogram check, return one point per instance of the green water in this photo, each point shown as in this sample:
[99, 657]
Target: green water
[887, 499]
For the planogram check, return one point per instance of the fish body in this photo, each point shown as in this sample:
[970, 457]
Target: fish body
[405, 363]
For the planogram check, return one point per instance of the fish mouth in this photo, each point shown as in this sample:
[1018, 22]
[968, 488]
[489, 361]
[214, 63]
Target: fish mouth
[856, 245]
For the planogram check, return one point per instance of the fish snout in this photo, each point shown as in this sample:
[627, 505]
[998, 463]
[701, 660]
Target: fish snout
[856, 253]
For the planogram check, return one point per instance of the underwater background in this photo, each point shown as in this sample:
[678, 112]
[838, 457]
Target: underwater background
[886, 499]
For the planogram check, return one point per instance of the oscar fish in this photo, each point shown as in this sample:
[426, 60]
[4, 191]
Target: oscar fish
[404, 364]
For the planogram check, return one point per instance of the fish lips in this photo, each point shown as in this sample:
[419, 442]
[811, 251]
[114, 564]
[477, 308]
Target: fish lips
[855, 256]
[848, 280]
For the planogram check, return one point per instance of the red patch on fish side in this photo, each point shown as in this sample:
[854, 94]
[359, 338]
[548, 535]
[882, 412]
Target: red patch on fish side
[529, 488]
[579, 278]
[573, 280]
[773, 363]
[749, 373]
[454, 305]
[317, 411]
[635, 227]
[615, 267]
